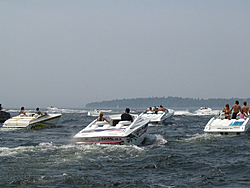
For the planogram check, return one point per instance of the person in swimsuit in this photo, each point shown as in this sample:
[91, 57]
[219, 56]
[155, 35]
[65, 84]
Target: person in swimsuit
[161, 108]
[245, 108]
[22, 111]
[38, 111]
[227, 111]
[101, 118]
[235, 109]
[242, 114]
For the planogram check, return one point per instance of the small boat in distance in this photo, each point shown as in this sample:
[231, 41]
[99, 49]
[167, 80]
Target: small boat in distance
[32, 120]
[96, 112]
[159, 116]
[115, 132]
[219, 124]
[204, 110]
[52, 109]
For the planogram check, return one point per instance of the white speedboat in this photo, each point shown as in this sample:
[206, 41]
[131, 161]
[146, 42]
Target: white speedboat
[94, 112]
[32, 120]
[219, 124]
[160, 116]
[115, 132]
[204, 110]
[53, 109]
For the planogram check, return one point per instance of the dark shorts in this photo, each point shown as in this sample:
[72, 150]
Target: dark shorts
[234, 115]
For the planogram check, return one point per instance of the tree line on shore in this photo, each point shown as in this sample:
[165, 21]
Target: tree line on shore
[165, 101]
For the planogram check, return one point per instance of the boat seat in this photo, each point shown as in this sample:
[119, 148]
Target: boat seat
[222, 115]
[94, 126]
[101, 123]
[149, 112]
[160, 112]
[125, 122]
[119, 125]
[106, 126]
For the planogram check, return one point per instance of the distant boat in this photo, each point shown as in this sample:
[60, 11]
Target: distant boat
[160, 116]
[203, 110]
[52, 108]
[96, 112]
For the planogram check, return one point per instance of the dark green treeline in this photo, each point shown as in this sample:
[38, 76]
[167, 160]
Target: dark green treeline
[165, 101]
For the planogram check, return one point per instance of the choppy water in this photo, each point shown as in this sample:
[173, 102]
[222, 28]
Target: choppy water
[179, 154]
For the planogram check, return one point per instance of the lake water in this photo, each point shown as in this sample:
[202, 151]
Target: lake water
[178, 154]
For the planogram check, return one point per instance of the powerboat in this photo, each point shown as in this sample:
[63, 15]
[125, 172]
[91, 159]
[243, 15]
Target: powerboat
[204, 110]
[53, 109]
[159, 116]
[4, 116]
[218, 124]
[32, 120]
[115, 132]
[94, 112]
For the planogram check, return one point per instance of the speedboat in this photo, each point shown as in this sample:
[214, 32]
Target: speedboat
[4, 116]
[115, 132]
[160, 116]
[94, 112]
[204, 110]
[218, 124]
[53, 109]
[32, 120]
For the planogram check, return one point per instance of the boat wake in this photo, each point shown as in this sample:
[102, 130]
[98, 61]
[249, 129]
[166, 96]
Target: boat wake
[195, 113]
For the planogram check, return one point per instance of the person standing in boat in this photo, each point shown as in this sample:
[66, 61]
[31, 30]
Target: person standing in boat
[227, 111]
[22, 111]
[235, 109]
[126, 116]
[101, 118]
[245, 108]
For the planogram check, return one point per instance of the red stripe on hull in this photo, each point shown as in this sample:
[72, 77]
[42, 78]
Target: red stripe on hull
[100, 142]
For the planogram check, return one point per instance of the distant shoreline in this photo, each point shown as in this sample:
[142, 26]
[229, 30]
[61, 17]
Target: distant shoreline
[169, 102]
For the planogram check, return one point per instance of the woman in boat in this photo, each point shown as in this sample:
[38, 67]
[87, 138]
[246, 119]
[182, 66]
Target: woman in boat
[242, 114]
[101, 118]
[22, 111]
[227, 111]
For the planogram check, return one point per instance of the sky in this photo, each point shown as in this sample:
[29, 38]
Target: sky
[67, 53]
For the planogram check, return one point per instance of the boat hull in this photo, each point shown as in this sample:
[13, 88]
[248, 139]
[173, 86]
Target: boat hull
[4, 116]
[164, 117]
[227, 127]
[127, 134]
[31, 121]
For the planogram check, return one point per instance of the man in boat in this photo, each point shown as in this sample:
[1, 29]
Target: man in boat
[126, 116]
[235, 109]
[22, 111]
[161, 108]
[245, 108]
[38, 111]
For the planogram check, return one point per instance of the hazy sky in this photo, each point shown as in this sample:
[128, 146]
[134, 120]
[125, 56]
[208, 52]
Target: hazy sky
[69, 53]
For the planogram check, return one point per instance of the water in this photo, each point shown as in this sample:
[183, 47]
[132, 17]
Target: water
[179, 154]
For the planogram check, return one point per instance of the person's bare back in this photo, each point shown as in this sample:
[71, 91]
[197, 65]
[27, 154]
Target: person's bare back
[245, 108]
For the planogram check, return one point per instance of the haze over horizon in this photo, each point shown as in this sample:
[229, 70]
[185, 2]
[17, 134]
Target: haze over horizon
[70, 53]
